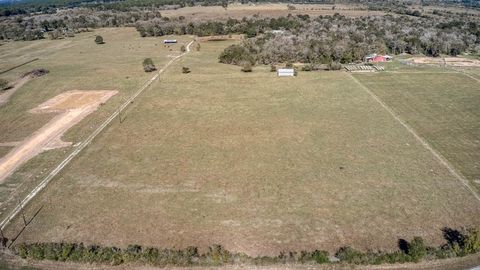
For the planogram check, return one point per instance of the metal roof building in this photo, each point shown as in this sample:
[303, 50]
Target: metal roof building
[285, 72]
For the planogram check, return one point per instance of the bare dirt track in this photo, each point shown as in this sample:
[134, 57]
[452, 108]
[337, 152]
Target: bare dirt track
[72, 107]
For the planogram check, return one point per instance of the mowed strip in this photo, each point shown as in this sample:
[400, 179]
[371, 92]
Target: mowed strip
[72, 107]
[257, 163]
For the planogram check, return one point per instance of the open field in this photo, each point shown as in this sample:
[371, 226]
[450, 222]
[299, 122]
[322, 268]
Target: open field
[74, 63]
[442, 108]
[260, 164]
[239, 11]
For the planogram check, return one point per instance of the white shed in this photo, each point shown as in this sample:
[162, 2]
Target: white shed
[167, 41]
[285, 72]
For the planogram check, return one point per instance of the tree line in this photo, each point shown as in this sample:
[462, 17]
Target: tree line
[459, 243]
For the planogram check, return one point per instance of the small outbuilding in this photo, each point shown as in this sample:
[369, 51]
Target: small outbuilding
[169, 41]
[377, 58]
[285, 72]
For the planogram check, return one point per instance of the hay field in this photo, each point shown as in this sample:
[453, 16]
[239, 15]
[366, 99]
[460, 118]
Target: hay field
[256, 163]
[74, 63]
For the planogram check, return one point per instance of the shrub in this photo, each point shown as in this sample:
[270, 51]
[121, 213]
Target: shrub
[471, 241]
[148, 65]
[197, 47]
[288, 65]
[307, 68]
[36, 73]
[37, 252]
[237, 55]
[417, 249]
[183, 49]
[334, 66]
[217, 255]
[350, 255]
[247, 67]
[460, 243]
[318, 256]
[273, 68]
[185, 70]
[3, 84]
[99, 40]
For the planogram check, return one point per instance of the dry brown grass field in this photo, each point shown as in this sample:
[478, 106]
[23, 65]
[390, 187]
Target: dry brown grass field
[262, 164]
[238, 11]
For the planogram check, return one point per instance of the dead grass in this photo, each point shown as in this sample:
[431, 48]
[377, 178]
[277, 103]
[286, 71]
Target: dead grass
[257, 163]
[238, 11]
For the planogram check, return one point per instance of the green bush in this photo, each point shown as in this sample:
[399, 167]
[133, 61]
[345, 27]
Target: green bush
[148, 65]
[334, 66]
[99, 40]
[417, 249]
[3, 84]
[237, 55]
[217, 255]
[185, 70]
[247, 67]
[350, 255]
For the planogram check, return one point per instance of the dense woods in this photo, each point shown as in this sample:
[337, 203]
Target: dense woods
[340, 39]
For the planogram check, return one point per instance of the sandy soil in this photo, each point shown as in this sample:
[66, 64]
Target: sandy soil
[72, 107]
[449, 61]
[5, 95]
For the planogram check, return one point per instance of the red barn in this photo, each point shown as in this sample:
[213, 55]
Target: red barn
[377, 58]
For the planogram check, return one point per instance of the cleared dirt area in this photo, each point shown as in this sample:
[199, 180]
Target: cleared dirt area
[257, 163]
[71, 106]
[238, 11]
[447, 61]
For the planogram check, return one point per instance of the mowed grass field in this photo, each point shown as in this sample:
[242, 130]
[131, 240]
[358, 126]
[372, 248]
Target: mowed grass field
[257, 163]
[74, 63]
[443, 108]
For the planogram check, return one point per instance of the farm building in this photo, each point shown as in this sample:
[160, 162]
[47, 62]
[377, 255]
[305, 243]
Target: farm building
[168, 41]
[377, 58]
[285, 72]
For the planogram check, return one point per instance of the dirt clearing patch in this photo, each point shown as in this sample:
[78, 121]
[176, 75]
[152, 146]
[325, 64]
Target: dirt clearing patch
[447, 61]
[72, 107]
